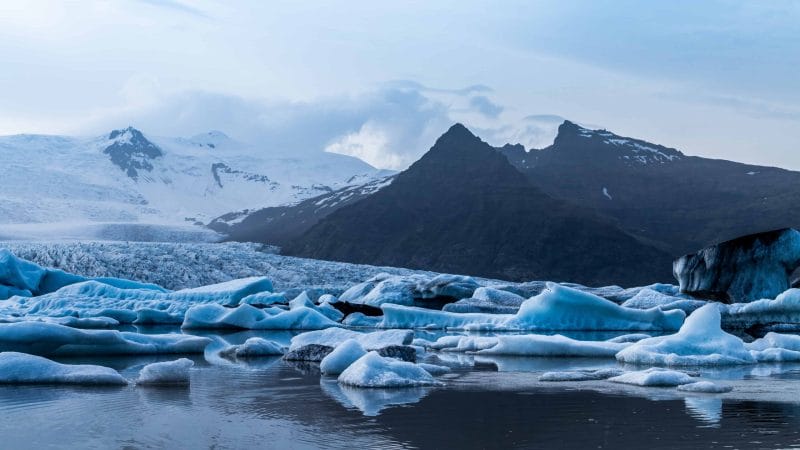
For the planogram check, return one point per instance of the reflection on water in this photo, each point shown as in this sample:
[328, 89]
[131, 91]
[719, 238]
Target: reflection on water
[488, 402]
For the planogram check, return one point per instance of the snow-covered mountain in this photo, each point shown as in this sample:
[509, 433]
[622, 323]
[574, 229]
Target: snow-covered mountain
[127, 176]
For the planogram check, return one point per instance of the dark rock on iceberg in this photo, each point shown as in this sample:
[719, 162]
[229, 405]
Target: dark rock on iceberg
[310, 352]
[401, 352]
[744, 269]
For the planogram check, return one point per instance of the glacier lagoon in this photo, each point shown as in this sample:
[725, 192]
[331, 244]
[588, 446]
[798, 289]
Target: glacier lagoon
[494, 402]
[544, 376]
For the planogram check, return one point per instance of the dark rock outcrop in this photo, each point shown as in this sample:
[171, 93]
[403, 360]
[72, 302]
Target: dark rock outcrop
[131, 151]
[744, 269]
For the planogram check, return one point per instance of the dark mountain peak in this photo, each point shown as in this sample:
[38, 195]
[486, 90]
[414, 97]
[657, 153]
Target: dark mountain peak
[577, 141]
[458, 134]
[131, 151]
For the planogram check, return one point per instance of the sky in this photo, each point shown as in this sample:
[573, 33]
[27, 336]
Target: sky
[381, 80]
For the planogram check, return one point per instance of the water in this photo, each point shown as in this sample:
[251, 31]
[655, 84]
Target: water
[269, 403]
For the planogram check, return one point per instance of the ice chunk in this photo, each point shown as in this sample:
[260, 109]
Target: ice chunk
[341, 357]
[653, 377]
[85, 299]
[581, 375]
[540, 345]
[53, 339]
[785, 308]
[635, 337]
[262, 299]
[700, 341]
[375, 371]
[250, 318]
[420, 290]
[254, 347]
[19, 368]
[487, 300]
[166, 373]
[744, 269]
[332, 337]
[19, 273]
[556, 308]
[705, 387]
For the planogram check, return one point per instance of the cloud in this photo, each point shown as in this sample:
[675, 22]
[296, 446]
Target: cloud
[485, 106]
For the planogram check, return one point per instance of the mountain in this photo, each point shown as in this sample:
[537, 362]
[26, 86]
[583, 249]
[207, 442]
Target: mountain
[278, 225]
[129, 176]
[464, 208]
[679, 203]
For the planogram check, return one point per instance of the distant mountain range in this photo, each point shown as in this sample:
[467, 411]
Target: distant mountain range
[127, 176]
[594, 207]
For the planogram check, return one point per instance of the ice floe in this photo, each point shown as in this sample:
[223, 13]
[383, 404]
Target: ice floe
[166, 373]
[706, 387]
[556, 308]
[52, 339]
[254, 347]
[375, 371]
[248, 317]
[581, 375]
[529, 345]
[342, 357]
[22, 368]
[654, 377]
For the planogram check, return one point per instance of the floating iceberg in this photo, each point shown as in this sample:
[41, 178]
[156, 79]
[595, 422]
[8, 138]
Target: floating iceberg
[528, 345]
[254, 347]
[166, 373]
[342, 357]
[487, 300]
[375, 371]
[21, 368]
[248, 317]
[654, 377]
[706, 387]
[556, 308]
[785, 309]
[410, 290]
[581, 375]
[52, 339]
[699, 342]
[332, 337]
[93, 298]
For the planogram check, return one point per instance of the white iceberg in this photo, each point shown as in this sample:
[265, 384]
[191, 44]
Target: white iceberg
[166, 373]
[93, 298]
[248, 317]
[342, 357]
[52, 339]
[254, 347]
[332, 337]
[654, 377]
[784, 309]
[21, 368]
[556, 308]
[580, 375]
[706, 387]
[375, 371]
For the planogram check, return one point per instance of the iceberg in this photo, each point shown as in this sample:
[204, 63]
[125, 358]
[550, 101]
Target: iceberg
[375, 371]
[784, 309]
[342, 357]
[699, 342]
[333, 337]
[410, 290]
[254, 347]
[556, 308]
[216, 316]
[91, 298]
[48, 339]
[21, 368]
[654, 377]
[166, 373]
[580, 375]
[706, 387]
[528, 345]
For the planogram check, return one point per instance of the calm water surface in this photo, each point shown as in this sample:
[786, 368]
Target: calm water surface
[269, 403]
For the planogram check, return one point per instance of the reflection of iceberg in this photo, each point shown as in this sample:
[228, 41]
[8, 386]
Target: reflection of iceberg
[707, 409]
[371, 401]
[523, 364]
